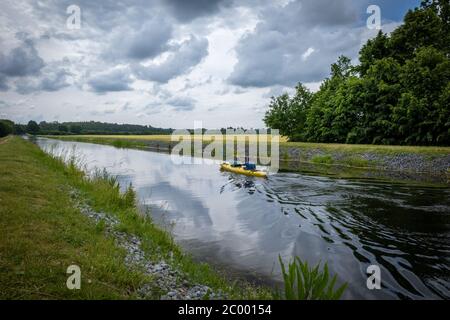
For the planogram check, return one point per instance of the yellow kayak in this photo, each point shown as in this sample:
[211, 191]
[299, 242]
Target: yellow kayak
[241, 170]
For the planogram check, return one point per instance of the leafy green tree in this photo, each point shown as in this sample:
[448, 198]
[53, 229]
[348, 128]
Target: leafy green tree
[410, 115]
[33, 127]
[348, 121]
[287, 114]
[19, 129]
[422, 28]
[384, 91]
[63, 128]
[76, 129]
[374, 49]
[441, 8]
[342, 69]
[277, 117]
[299, 106]
[322, 113]
[6, 127]
[442, 124]
[427, 73]
[425, 78]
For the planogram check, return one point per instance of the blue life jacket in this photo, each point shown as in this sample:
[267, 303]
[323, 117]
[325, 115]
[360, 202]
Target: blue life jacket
[250, 166]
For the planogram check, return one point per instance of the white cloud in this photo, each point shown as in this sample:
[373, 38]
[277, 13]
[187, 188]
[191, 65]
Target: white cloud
[307, 53]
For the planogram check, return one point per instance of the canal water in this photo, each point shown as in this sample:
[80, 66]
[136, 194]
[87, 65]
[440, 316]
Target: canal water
[242, 224]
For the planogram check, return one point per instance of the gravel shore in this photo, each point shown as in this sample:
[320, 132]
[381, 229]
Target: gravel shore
[172, 283]
[411, 166]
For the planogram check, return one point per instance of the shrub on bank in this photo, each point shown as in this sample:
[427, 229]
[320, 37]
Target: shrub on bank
[6, 127]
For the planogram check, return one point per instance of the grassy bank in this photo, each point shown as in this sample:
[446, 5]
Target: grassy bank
[362, 148]
[43, 233]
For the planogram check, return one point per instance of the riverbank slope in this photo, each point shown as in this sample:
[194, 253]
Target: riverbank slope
[52, 216]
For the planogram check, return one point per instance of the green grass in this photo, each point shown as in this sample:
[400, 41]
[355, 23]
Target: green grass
[43, 233]
[357, 162]
[116, 142]
[285, 156]
[303, 282]
[126, 144]
[322, 159]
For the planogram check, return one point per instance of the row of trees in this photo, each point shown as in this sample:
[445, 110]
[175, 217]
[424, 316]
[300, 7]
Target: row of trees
[9, 127]
[399, 93]
[95, 127]
[88, 127]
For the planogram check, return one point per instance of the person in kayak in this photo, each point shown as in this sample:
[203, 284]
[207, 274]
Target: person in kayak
[248, 165]
[236, 164]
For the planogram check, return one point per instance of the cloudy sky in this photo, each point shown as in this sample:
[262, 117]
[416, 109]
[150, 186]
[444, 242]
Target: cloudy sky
[168, 63]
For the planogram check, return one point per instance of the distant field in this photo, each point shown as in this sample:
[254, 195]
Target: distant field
[357, 148]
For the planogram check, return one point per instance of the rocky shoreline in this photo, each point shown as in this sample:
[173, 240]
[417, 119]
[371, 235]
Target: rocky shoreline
[408, 162]
[401, 166]
[169, 281]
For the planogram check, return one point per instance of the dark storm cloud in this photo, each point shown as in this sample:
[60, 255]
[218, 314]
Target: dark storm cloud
[55, 80]
[328, 13]
[182, 103]
[51, 81]
[115, 80]
[103, 15]
[297, 42]
[150, 40]
[23, 60]
[186, 11]
[188, 54]
[106, 14]
[3, 85]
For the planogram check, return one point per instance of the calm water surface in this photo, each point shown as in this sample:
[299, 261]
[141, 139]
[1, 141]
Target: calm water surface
[242, 224]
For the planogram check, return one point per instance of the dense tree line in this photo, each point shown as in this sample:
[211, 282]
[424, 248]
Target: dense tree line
[91, 127]
[9, 127]
[399, 93]
[94, 127]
